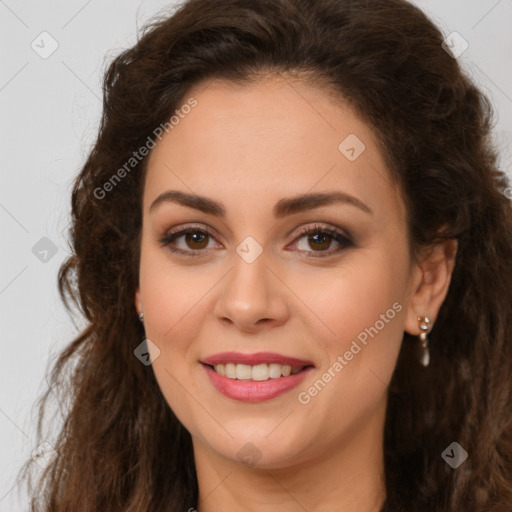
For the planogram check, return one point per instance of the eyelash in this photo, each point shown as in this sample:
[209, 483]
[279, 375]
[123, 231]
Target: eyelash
[344, 241]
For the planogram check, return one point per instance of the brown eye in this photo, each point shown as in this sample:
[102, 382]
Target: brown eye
[314, 241]
[190, 241]
[196, 240]
[319, 241]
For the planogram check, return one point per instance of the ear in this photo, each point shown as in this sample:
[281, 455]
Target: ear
[138, 302]
[431, 276]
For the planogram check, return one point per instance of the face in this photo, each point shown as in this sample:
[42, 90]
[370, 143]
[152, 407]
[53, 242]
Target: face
[293, 274]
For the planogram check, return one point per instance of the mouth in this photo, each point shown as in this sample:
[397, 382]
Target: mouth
[258, 372]
[255, 383]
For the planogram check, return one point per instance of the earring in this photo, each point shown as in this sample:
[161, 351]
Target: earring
[141, 317]
[424, 325]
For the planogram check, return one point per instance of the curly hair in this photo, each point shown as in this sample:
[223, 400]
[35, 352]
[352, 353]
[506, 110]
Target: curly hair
[120, 446]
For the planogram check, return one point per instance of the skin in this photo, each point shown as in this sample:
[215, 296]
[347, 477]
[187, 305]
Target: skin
[247, 147]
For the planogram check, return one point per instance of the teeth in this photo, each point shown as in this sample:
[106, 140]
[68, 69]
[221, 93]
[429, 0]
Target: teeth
[274, 370]
[230, 370]
[258, 372]
[243, 372]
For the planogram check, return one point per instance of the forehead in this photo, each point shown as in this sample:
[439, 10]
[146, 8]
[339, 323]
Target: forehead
[273, 137]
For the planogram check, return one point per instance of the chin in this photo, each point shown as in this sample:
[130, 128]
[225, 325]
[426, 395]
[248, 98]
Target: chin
[258, 450]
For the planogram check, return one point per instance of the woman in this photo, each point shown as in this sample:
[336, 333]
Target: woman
[293, 248]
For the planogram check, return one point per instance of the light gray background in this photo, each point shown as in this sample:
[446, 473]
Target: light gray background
[50, 111]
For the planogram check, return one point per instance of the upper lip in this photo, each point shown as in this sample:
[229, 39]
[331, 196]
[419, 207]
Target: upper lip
[254, 359]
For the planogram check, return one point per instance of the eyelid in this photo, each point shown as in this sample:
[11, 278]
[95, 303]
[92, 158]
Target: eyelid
[182, 227]
[332, 231]
[301, 231]
[325, 227]
[178, 231]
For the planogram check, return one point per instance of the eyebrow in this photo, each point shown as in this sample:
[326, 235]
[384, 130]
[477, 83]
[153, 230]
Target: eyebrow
[283, 207]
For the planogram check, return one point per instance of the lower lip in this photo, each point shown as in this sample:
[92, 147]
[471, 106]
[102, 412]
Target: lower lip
[254, 391]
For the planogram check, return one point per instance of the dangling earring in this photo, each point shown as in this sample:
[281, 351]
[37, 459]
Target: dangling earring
[141, 317]
[424, 325]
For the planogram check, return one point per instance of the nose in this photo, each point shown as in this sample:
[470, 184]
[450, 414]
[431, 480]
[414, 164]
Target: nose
[253, 297]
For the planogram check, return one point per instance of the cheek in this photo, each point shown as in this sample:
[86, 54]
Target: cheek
[364, 312]
[172, 298]
[172, 310]
[361, 307]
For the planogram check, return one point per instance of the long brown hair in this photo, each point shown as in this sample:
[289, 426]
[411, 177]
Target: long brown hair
[121, 448]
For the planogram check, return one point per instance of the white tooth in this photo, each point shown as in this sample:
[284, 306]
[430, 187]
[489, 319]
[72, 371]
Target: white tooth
[231, 370]
[260, 372]
[274, 370]
[286, 369]
[243, 372]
